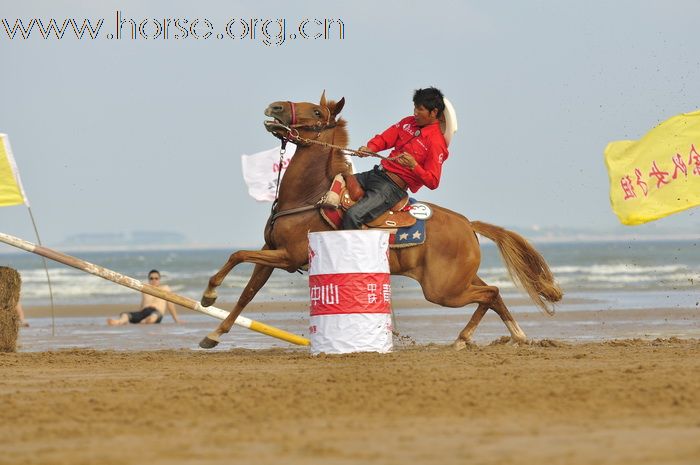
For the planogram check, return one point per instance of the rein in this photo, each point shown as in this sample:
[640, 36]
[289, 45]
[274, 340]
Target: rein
[292, 135]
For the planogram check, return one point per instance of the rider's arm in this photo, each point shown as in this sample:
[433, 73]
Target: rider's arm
[431, 170]
[385, 140]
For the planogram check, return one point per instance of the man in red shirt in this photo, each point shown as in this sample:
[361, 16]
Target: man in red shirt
[419, 149]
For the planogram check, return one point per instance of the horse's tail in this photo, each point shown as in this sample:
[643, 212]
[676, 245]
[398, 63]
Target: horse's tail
[526, 267]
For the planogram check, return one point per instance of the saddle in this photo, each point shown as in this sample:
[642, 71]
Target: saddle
[345, 191]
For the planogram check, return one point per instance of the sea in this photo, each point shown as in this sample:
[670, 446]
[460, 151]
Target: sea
[595, 276]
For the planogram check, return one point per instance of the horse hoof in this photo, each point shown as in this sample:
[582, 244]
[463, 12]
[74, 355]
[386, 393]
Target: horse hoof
[208, 301]
[209, 342]
[461, 344]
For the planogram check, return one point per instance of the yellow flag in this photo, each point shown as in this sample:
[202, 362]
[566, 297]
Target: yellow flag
[11, 190]
[659, 174]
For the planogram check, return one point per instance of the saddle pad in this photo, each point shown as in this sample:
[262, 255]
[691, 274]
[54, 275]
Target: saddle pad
[408, 236]
[401, 237]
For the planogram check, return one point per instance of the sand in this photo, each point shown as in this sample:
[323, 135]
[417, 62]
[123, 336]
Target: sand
[629, 397]
[614, 402]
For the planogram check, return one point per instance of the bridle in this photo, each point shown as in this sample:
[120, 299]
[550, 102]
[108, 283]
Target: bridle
[318, 126]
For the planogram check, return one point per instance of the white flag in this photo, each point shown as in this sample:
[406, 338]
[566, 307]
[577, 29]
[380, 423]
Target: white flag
[261, 169]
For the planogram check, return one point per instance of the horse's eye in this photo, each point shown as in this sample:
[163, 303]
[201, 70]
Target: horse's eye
[317, 113]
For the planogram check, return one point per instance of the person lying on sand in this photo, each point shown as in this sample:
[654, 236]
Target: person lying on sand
[152, 308]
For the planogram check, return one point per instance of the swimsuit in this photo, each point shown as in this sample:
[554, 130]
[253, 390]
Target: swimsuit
[136, 317]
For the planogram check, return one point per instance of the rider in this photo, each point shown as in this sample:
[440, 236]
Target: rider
[416, 161]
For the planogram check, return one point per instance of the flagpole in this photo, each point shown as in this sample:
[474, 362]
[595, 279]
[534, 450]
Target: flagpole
[46, 268]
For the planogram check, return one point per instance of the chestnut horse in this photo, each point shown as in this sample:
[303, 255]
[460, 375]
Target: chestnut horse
[445, 265]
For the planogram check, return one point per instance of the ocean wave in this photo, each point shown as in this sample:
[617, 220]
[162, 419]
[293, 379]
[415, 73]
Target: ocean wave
[575, 268]
[620, 268]
[80, 290]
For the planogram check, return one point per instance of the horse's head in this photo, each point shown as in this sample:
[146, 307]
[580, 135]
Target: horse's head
[308, 119]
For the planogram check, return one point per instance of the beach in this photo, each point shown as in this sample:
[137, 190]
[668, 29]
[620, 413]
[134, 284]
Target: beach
[147, 394]
[611, 378]
[611, 402]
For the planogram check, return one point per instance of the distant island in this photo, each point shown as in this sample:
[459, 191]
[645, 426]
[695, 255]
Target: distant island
[130, 238]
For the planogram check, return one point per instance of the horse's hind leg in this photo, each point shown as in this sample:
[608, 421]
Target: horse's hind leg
[476, 291]
[497, 304]
[516, 333]
[257, 280]
[465, 336]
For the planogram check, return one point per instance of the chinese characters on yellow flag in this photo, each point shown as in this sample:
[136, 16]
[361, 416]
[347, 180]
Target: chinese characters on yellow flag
[11, 190]
[659, 174]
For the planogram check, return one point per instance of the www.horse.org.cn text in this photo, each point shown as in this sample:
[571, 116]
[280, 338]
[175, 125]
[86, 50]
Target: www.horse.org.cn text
[271, 32]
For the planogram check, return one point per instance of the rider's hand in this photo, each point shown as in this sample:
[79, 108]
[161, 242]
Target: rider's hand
[407, 160]
[365, 150]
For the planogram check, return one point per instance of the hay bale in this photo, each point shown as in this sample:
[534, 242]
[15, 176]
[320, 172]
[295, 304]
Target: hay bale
[10, 285]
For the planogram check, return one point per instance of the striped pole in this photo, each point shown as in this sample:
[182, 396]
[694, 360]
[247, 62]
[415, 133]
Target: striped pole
[137, 285]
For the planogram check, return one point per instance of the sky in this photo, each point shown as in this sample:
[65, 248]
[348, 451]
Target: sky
[114, 135]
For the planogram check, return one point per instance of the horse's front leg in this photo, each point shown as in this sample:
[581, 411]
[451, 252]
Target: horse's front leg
[273, 258]
[255, 283]
[266, 261]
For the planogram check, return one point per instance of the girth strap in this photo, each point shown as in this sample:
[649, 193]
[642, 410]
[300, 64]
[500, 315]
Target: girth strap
[292, 211]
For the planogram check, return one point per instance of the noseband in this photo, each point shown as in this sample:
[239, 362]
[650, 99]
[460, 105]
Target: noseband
[293, 111]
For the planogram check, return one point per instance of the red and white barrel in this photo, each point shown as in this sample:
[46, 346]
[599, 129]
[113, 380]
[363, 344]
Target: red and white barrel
[350, 291]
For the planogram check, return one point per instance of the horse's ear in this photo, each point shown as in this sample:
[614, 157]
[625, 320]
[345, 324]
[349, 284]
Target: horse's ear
[338, 107]
[323, 102]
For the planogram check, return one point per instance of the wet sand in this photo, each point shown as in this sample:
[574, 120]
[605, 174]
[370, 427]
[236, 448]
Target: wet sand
[106, 310]
[615, 402]
[416, 322]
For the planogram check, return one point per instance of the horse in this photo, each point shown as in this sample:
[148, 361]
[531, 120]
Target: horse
[445, 265]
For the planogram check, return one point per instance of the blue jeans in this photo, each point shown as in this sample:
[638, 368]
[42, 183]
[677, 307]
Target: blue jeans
[381, 193]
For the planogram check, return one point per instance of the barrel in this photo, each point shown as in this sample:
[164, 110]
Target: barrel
[350, 292]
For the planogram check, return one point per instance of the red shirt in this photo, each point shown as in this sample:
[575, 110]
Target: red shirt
[429, 149]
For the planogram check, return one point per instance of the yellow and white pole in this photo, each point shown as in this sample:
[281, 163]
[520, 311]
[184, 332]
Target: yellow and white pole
[151, 290]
